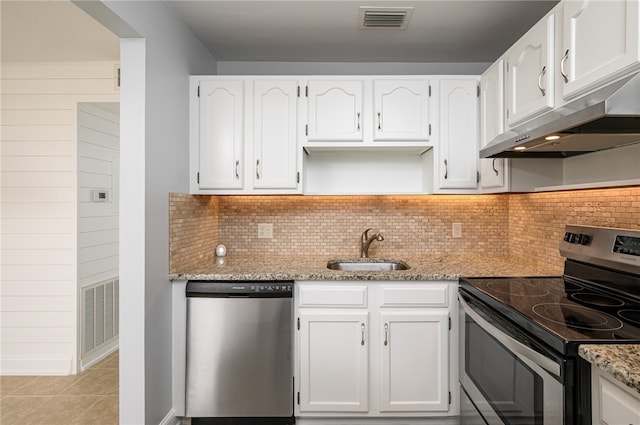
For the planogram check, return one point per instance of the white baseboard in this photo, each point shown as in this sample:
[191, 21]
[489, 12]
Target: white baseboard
[35, 365]
[170, 419]
[379, 421]
[100, 353]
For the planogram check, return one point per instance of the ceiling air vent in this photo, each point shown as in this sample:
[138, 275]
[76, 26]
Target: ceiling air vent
[384, 17]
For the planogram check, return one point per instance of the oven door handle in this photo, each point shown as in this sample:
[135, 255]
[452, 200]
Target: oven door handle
[515, 346]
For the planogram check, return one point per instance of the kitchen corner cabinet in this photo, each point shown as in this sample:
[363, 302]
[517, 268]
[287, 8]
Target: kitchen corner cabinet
[335, 110]
[457, 164]
[244, 136]
[374, 350]
[612, 401]
[401, 110]
[530, 76]
[600, 43]
[492, 170]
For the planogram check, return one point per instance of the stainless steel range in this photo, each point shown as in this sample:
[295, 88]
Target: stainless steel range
[519, 336]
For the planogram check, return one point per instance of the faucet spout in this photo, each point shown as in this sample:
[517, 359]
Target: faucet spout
[366, 241]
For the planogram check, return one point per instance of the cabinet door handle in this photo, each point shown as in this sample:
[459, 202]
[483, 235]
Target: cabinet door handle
[544, 71]
[358, 121]
[446, 169]
[363, 331]
[493, 165]
[258, 169]
[386, 334]
[379, 121]
[562, 71]
[237, 173]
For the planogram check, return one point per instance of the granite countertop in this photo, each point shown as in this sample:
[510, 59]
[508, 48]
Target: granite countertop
[423, 267]
[621, 361]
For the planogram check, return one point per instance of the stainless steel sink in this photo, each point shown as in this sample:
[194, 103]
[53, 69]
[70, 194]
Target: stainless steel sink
[367, 265]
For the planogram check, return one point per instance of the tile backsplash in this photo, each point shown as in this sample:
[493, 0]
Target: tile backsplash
[515, 224]
[536, 220]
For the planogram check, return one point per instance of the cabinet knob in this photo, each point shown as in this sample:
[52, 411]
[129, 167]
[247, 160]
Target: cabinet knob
[363, 332]
[258, 169]
[446, 169]
[237, 173]
[493, 165]
[379, 121]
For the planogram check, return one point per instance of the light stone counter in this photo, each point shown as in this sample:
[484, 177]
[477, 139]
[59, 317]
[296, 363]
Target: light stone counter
[424, 267]
[621, 361]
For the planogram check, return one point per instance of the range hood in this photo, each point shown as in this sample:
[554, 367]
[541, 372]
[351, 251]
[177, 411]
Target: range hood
[605, 119]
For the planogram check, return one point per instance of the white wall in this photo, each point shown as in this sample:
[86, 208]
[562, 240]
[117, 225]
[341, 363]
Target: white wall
[38, 294]
[98, 168]
[154, 161]
[349, 68]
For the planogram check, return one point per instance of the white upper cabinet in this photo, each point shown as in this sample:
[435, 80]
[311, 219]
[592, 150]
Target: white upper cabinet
[492, 170]
[401, 110]
[335, 110]
[600, 43]
[244, 136]
[530, 68]
[457, 166]
[221, 134]
[275, 142]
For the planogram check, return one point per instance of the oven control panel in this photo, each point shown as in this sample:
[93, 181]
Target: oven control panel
[609, 247]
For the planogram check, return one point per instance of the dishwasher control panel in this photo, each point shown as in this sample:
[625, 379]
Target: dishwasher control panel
[246, 289]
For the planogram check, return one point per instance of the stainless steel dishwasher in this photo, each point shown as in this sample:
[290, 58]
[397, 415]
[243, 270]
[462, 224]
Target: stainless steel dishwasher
[239, 352]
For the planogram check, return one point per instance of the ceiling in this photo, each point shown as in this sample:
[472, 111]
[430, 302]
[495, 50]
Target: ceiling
[53, 31]
[295, 30]
[327, 30]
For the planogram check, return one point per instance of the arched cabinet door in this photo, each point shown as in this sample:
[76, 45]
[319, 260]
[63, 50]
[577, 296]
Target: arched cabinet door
[492, 170]
[275, 114]
[335, 110]
[600, 43]
[401, 110]
[530, 73]
[458, 146]
[221, 134]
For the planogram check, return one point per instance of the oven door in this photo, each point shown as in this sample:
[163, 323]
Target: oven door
[509, 379]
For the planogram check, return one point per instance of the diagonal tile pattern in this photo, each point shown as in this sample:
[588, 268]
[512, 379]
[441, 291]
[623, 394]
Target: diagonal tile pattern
[91, 397]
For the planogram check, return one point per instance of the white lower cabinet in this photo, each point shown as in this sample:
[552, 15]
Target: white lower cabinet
[375, 350]
[613, 403]
[414, 360]
[334, 348]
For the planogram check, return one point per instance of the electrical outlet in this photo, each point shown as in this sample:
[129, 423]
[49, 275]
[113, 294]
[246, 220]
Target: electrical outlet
[265, 231]
[456, 229]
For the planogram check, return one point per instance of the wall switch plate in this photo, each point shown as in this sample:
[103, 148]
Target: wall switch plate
[265, 231]
[456, 229]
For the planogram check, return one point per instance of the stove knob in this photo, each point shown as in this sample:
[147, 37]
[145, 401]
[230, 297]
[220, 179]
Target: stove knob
[584, 239]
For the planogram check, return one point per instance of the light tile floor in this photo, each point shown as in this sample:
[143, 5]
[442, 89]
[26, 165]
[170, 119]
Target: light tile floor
[88, 398]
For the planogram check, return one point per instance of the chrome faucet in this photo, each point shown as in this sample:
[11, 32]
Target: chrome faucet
[366, 241]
